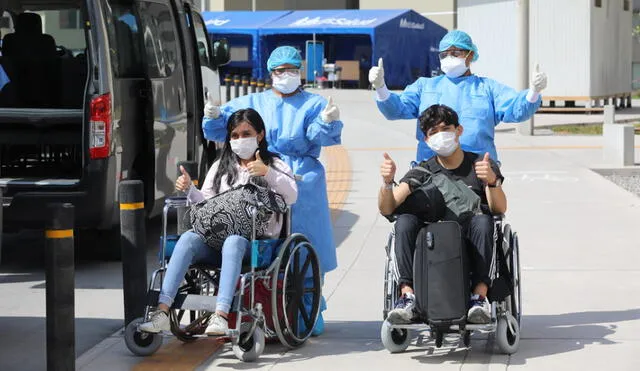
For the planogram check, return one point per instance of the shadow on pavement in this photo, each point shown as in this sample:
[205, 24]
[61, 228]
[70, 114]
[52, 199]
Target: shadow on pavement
[23, 343]
[542, 335]
[343, 222]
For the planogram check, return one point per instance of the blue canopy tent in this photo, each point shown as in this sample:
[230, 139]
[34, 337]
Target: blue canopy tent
[240, 28]
[407, 41]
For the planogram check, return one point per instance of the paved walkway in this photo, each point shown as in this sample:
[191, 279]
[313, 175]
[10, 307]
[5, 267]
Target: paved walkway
[579, 252]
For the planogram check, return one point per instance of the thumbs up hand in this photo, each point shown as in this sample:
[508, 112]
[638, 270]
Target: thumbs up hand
[538, 80]
[257, 167]
[330, 113]
[376, 75]
[388, 169]
[183, 183]
[212, 108]
[484, 171]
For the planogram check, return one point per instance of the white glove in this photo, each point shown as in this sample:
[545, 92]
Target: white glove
[330, 113]
[211, 109]
[538, 80]
[376, 75]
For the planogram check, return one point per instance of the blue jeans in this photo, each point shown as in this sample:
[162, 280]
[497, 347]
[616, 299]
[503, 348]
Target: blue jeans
[191, 249]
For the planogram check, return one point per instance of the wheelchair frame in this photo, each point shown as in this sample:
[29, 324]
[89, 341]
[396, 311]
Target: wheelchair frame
[285, 275]
[505, 314]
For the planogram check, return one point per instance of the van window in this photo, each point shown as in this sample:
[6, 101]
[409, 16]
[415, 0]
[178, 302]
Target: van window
[126, 52]
[201, 37]
[160, 38]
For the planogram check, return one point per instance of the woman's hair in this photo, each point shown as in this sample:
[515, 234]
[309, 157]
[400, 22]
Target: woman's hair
[228, 159]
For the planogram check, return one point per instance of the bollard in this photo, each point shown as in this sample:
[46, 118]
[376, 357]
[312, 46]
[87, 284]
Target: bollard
[133, 245]
[252, 85]
[260, 85]
[245, 85]
[60, 285]
[236, 86]
[227, 87]
[618, 140]
[267, 84]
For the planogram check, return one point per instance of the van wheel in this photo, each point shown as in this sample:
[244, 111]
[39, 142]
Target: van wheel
[99, 244]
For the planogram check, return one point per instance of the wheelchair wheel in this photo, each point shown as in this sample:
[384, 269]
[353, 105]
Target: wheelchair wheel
[439, 338]
[508, 334]
[394, 340]
[513, 260]
[296, 291]
[248, 349]
[390, 285]
[141, 343]
[466, 338]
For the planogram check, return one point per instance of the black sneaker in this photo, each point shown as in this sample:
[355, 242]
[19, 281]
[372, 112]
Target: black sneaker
[403, 310]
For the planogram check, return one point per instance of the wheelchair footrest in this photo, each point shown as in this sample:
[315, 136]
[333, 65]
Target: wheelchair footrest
[186, 301]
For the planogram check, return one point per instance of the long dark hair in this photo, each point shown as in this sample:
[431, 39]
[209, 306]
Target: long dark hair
[228, 159]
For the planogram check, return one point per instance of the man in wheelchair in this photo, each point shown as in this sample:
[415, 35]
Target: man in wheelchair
[480, 174]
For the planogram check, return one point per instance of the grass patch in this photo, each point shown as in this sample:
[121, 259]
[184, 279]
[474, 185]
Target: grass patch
[590, 129]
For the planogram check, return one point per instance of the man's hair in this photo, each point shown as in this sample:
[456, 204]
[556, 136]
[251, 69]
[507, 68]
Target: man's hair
[436, 114]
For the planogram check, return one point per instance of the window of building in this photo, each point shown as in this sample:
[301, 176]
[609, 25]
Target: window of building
[160, 38]
[598, 3]
[626, 5]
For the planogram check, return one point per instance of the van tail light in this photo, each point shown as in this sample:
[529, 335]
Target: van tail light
[100, 127]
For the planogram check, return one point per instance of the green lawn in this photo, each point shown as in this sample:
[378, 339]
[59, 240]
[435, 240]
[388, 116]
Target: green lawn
[591, 129]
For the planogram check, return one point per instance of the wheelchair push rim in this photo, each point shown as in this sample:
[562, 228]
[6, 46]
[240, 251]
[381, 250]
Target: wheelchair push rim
[298, 267]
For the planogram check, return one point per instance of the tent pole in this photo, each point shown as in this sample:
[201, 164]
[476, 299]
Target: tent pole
[253, 5]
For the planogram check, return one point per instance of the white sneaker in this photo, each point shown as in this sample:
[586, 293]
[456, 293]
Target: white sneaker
[218, 325]
[480, 311]
[159, 322]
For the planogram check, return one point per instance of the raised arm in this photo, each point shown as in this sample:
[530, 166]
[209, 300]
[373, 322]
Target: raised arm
[214, 123]
[325, 128]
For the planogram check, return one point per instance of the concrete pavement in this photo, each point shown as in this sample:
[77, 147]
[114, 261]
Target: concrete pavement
[579, 254]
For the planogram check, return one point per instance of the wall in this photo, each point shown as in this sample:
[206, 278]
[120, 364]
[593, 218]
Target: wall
[611, 45]
[219, 5]
[584, 51]
[559, 42]
[441, 11]
[491, 24]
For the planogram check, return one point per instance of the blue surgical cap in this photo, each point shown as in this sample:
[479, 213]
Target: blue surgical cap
[284, 55]
[459, 39]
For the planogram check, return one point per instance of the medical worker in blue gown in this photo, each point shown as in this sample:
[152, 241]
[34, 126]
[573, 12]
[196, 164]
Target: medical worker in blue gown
[481, 103]
[298, 124]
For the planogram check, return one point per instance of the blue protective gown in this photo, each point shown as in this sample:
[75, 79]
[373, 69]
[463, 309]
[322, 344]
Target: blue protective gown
[481, 104]
[296, 132]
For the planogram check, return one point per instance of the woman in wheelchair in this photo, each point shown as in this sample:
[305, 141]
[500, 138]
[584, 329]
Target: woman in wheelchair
[482, 175]
[244, 155]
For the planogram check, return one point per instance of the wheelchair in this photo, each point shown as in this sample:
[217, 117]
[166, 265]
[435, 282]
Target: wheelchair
[271, 301]
[504, 295]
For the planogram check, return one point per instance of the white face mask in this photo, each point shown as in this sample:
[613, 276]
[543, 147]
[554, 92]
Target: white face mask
[286, 83]
[453, 66]
[245, 148]
[443, 143]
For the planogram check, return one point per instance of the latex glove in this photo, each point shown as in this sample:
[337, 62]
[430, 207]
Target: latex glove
[211, 109]
[376, 75]
[330, 113]
[183, 183]
[538, 80]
